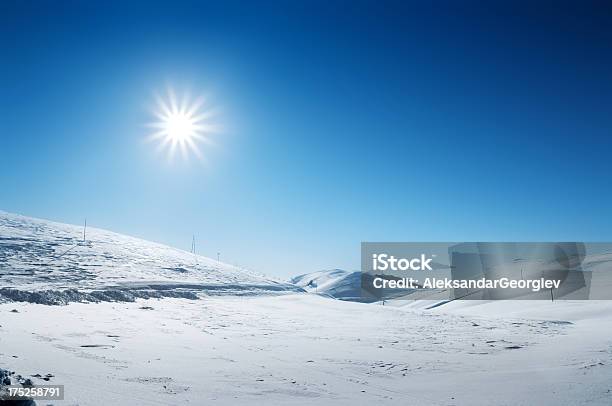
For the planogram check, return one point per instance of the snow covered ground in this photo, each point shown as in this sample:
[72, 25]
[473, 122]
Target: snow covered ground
[301, 349]
[248, 338]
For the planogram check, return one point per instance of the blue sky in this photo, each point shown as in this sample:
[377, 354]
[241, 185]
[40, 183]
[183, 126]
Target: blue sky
[343, 122]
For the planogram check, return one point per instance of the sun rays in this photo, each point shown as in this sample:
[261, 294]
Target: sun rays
[182, 125]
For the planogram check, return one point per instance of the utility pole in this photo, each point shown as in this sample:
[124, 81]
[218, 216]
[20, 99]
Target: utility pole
[218, 256]
[84, 229]
[193, 249]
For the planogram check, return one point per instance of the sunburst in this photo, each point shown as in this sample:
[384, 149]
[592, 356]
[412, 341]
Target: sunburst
[182, 125]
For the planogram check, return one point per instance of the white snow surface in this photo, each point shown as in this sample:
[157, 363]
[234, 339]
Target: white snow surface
[305, 349]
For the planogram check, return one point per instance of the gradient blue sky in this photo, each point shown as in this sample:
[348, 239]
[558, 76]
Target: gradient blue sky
[344, 122]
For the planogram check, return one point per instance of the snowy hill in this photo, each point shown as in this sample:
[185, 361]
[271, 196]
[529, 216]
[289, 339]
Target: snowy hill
[337, 283]
[47, 262]
[318, 281]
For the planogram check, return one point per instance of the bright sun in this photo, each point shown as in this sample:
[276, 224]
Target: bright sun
[179, 126]
[182, 125]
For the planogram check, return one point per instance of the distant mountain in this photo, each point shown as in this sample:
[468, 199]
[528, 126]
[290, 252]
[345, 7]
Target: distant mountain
[46, 262]
[318, 281]
[337, 283]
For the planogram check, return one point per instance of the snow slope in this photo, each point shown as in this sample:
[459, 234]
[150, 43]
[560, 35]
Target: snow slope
[346, 285]
[46, 261]
[337, 283]
[320, 281]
